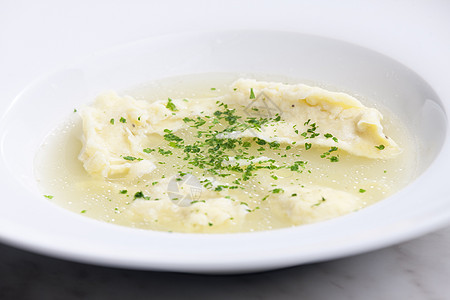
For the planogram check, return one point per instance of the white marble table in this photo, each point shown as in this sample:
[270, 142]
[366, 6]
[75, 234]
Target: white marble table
[419, 269]
[36, 37]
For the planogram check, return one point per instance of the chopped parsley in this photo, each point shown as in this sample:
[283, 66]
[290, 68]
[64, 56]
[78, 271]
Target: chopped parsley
[186, 120]
[140, 195]
[380, 147]
[148, 150]
[170, 105]
[164, 152]
[277, 191]
[334, 158]
[320, 202]
[131, 158]
[123, 120]
[252, 94]
[209, 148]
[329, 135]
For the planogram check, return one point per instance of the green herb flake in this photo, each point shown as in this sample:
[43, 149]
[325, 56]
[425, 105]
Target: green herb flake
[48, 196]
[148, 150]
[165, 152]
[186, 120]
[329, 135]
[123, 120]
[260, 141]
[277, 191]
[320, 202]
[170, 105]
[111, 121]
[123, 191]
[265, 198]
[131, 158]
[172, 137]
[140, 195]
[252, 94]
[83, 211]
[380, 147]
[334, 159]
[362, 190]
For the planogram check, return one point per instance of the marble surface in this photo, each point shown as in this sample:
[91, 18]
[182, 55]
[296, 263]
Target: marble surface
[36, 37]
[419, 269]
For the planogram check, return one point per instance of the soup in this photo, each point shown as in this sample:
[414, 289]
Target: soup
[205, 153]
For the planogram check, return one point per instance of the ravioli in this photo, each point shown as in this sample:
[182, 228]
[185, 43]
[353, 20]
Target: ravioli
[313, 204]
[217, 211]
[357, 128]
[117, 127]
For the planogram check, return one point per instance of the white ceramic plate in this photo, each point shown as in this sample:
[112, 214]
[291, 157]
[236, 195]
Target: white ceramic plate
[28, 220]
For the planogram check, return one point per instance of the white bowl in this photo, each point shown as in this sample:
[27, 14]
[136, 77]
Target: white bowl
[30, 221]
